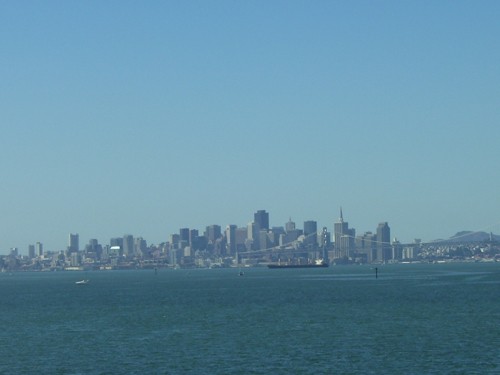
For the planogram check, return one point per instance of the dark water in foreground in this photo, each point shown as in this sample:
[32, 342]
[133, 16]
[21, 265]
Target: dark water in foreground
[414, 319]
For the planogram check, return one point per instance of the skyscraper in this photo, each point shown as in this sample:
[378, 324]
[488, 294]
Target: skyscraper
[31, 251]
[183, 238]
[213, 232]
[343, 237]
[39, 249]
[231, 239]
[116, 242]
[73, 243]
[261, 218]
[366, 246]
[253, 235]
[311, 232]
[128, 245]
[310, 227]
[140, 246]
[384, 250]
[193, 238]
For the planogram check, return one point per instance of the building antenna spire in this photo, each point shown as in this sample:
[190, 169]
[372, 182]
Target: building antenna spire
[341, 216]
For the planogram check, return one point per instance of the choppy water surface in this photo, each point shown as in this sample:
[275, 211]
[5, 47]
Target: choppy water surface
[413, 319]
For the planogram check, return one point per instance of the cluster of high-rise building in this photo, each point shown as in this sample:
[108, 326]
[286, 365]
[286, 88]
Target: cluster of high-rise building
[254, 243]
[369, 247]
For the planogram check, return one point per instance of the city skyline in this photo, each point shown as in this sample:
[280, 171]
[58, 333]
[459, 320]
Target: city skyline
[337, 229]
[257, 244]
[145, 118]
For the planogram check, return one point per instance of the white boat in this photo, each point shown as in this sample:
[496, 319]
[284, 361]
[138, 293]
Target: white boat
[81, 282]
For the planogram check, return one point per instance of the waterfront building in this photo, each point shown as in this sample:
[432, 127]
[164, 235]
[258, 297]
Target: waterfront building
[410, 252]
[74, 259]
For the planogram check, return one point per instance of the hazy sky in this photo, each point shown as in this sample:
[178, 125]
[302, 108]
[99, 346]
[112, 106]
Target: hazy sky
[144, 117]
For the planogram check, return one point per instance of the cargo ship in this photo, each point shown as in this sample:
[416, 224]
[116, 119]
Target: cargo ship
[317, 264]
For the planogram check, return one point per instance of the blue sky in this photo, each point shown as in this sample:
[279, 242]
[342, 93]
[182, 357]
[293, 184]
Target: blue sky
[144, 117]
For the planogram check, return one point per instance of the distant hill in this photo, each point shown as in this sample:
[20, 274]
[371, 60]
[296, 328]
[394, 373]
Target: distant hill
[469, 236]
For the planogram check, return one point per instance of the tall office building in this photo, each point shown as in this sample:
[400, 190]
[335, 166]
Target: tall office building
[93, 243]
[116, 242]
[73, 243]
[241, 238]
[94, 248]
[366, 246]
[339, 229]
[310, 227]
[231, 239]
[384, 250]
[128, 245]
[31, 251]
[39, 249]
[343, 238]
[397, 249]
[183, 238]
[174, 241]
[193, 236]
[275, 234]
[311, 233]
[184, 235]
[261, 218]
[264, 240]
[290, 225]
[213, 232]
[253, 235]
[140, 246]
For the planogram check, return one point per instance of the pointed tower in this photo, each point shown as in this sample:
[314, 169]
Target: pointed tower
[343, 237]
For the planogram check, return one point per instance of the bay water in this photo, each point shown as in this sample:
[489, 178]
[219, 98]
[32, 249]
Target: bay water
[412, 319]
